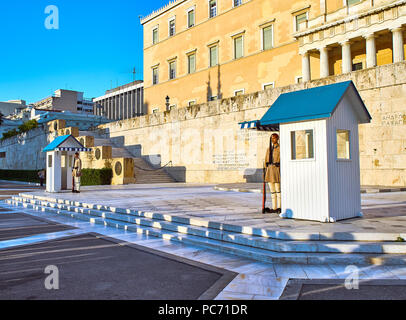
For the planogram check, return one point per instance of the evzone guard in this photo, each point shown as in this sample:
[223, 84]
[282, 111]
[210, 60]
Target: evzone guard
[272, 175]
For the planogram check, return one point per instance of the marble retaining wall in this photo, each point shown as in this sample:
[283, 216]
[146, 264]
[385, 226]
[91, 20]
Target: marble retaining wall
[205, 144]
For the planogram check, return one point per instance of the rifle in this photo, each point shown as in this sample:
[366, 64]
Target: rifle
[264, 209]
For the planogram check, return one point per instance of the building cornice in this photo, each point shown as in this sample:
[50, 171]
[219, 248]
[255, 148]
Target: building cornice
[349, 18]
[118, 92]
[156, 13]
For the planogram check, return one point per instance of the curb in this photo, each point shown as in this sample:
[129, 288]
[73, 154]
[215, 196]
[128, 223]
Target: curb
[22, 182]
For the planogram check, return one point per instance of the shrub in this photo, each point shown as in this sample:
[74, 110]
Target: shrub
[95, 177]
[90, 177]
[26, 126]
[20, 175]
[9, 134]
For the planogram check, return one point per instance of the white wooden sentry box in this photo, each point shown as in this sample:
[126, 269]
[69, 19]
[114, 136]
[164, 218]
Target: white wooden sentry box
[320, 170]
[59, 163]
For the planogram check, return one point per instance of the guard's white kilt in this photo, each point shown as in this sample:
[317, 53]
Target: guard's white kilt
[77, 183]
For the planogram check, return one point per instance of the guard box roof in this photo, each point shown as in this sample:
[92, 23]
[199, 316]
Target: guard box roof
[65, 143]
[313, 103]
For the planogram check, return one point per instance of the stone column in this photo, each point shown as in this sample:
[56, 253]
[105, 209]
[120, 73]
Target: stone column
[119, 107]
[324, 66]
[306, 67]
[346, 56]
[128, 104]
[117, 111]
[398, 52]
[371, 50]
[123, 116]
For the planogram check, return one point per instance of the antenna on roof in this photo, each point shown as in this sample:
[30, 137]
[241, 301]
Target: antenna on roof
[134, 72]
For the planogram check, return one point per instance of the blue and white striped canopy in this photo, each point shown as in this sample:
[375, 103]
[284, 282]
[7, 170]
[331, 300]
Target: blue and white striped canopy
[73, 149]
[256, 125]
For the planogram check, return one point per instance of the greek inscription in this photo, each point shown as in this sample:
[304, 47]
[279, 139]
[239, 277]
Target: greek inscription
[393, 119]
[230, 161]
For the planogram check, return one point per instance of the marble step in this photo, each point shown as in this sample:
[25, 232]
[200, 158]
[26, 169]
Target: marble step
[103, 142]
[236, 238]
[243, 229]
[231, 248]
[146, 179]
[120, 153]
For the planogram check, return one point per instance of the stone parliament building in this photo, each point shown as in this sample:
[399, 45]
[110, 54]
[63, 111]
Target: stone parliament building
[209, 65]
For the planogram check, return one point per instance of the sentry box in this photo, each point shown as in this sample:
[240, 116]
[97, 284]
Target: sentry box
[60, 154]
[319, 145]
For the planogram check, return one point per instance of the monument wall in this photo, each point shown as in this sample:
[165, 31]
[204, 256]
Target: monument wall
[205, 142]
[206, 145]
[24, 152]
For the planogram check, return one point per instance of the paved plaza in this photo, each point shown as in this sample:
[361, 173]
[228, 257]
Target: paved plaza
[251, 279]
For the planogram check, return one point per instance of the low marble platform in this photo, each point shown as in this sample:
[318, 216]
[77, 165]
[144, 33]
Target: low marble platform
[384, 213]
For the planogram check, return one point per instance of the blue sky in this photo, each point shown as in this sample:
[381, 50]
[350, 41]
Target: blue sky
[97, 45]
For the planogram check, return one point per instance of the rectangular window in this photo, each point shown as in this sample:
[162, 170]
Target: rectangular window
[50, 161]
[267, 38]
[237, 3]
[299, 19]
[238, 47]
[213, 98]
[155, 76]
[64, 161]
[343, 144]
[191, 103]
[156, 110]
[172, 107]
[302, 144]
[172, 28]
[213, 56]
[239, 92]
[299, 79]
[267, 86]
[155, 38]
[191, 63]
[191, 18]
[357, 66]
[2, 154]
[351, 2]
[172, 70]
[212, 8]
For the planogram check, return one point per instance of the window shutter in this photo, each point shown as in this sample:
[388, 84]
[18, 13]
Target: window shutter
[267, 33]
[191, 18]
[213, 56]
[238, 48]
[192, 63]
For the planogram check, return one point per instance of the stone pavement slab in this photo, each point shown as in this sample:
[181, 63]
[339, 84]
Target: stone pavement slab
[91, 266]
[17, 225]
[335, 290]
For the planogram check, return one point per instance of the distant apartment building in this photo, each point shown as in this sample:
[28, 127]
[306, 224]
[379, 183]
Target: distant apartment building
[66, 100]
[13, 106]
[123, 102]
